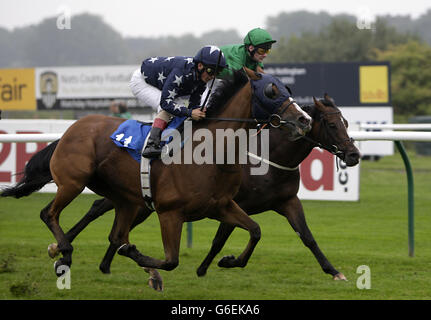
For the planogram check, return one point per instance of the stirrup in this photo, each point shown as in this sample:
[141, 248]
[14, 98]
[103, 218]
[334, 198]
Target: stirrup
[152, 152]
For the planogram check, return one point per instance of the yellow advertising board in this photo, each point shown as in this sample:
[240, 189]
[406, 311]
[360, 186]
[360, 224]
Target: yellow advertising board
[373, 84]
[17, 91]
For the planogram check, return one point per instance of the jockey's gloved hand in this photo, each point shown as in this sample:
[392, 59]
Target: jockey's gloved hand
[203, 108]
[197, 114]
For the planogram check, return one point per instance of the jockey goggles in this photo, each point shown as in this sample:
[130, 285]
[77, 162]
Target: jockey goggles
[264, 48]
[262, 51]
[211, 71]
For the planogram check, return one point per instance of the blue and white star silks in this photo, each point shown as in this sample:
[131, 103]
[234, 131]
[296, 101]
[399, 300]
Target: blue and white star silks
[172, 94]
[175, 77]
[161, 77]
[178, 80]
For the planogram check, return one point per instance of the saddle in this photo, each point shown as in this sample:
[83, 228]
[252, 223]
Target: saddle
[132, 135]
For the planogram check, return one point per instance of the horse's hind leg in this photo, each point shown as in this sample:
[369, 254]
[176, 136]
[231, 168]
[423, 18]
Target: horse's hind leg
[234, 215]
[223, 233]
[98, 208]
[50, 215]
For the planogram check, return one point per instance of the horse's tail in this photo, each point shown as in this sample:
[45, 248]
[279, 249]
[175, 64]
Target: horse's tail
[36, 174]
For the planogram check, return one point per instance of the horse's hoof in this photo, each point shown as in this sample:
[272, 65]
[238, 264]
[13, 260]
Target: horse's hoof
[227, 262]
[155, 281]
[156, 284]
[105, 269]
[201, 272]
[339, 276]
[53, 250]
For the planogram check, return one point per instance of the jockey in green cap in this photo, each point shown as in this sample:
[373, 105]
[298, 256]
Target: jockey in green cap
[250, 54]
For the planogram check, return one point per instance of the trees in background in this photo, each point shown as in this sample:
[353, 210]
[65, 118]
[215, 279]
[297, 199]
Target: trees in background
[341, 40]
[302, 37]
[410, 77]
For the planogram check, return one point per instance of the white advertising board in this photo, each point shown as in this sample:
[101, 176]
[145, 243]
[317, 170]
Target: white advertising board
[323, 179]
[320, 178]
[14, 156]
[89, 87]
[370, 115]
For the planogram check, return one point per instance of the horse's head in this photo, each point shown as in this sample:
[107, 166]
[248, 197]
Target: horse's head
[330, 130]
[271, 100]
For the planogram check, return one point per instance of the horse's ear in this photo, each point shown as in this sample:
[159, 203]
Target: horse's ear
[253, 75]
[328, 98]
[319, 105]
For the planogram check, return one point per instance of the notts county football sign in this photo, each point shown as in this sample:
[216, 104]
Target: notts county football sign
[83, 87]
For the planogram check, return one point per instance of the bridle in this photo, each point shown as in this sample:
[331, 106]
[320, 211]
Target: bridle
[331, 148]
[273, 119]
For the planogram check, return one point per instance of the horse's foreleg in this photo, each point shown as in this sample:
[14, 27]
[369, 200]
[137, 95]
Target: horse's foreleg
[234, 215]
[293, 211]
[105, 265]
[223, 233]
[171, 227]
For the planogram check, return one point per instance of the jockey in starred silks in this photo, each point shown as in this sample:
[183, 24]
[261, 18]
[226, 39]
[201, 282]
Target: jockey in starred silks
[164, 82]
[255, 48]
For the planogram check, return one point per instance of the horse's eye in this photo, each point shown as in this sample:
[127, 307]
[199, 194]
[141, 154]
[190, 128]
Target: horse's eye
[269, 91]
[332, 125]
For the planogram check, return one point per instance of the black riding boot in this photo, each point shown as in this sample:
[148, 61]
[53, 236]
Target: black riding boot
[153, 149]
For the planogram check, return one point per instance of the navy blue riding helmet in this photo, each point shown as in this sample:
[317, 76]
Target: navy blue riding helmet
[209, 57]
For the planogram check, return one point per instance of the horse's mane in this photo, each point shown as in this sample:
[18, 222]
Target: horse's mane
[225, 91]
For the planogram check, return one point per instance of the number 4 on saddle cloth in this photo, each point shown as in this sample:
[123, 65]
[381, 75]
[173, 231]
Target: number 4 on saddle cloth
[132, 135]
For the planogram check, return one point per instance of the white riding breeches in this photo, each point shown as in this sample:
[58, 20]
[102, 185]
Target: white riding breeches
[145, 92]
[148, 94]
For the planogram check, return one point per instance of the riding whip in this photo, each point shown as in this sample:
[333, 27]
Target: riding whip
[212, 82]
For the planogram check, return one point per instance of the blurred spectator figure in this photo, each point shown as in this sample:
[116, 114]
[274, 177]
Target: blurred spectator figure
[119, 109]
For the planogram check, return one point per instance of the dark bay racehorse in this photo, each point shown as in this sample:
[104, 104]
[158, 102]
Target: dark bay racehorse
[278, 189]
[86, 156]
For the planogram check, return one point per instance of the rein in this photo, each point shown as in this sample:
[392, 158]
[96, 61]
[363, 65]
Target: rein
[332, 149]
[274, 119]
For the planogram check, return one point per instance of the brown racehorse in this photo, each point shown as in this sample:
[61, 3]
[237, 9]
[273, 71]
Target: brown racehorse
[86, 156]
[277, 190]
